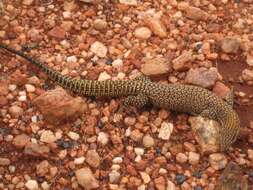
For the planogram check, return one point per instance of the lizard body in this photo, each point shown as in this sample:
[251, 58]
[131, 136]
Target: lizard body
[177, 97]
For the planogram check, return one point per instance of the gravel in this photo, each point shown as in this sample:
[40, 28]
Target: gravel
[47, 133]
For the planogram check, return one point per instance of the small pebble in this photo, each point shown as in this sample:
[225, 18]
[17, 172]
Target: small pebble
[181, 158]
[148, 141]
[30, 88]
[180, 178]
[118, 63]
[103, 76]
[99, 49]
[86, 178]
[139, 151]
[142, 33]
[117, 160]
[4, 161]
[79, 160]
[165, 131]
[47, 136]
[102, 138]
[145, 177]
[74, 136]
[93, 158]
[194, 158]
[100, 24]
[72, 59]
[114, 176]
[32, 185]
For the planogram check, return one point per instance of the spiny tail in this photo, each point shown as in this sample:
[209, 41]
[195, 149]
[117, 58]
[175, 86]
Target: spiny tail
[52, 74]
[84, 87]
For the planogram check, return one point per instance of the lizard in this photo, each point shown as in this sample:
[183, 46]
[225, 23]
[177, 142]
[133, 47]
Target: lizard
[185, 98]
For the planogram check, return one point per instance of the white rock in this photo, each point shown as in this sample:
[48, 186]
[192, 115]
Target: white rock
[118, 63]
[32, 185]
[47, 136]
[128, 132]
[86, 179]
[30, 88]
[12, 87]
[22, 98]
[34, 118]
[128, 2]
[102, 138]
[139, 151]
[66, 14]
[103, 76]
[141, 187]
[165, 131]
[114, 176]
[137, 158]
[162, 171]
[74, 136]
[145, 177]
[79, 160]
[115, 167]
[45, 186]
[142, 33]
[72, 59]
[117, 160]
[99, 49]
[65, 44]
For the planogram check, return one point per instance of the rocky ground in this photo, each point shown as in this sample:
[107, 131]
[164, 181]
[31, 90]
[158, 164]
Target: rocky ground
[52, 139]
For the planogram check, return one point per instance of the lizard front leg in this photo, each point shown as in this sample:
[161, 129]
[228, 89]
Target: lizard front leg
[137, 101]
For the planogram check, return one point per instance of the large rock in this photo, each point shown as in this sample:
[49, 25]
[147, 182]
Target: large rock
[183, 61]
[20, 141]
[232, 178]
[3, 88]
[57, 33]
[86, 179]
[56, 105]
[202, 77]
[230, 45]
[92, 158]
[99, 49]
[206, 133]
[156, 66]
[156, 26]
[196, 13]
[247, 75]
[36, 150]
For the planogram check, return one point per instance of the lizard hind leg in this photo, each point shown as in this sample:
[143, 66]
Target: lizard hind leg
[138, 101]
